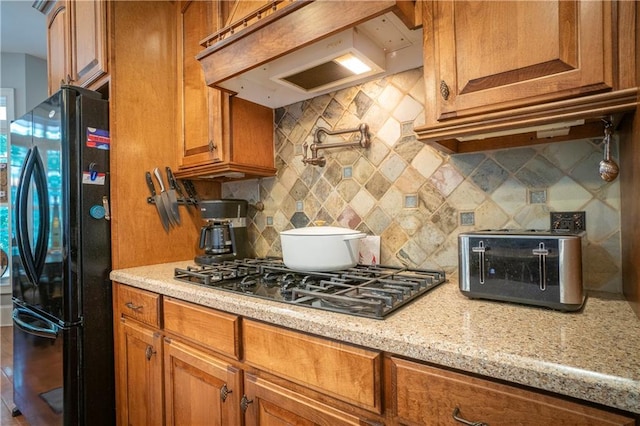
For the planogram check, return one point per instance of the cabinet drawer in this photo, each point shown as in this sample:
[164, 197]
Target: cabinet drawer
[425, 395]
[342, 371]
[207, 327]
[141, 305]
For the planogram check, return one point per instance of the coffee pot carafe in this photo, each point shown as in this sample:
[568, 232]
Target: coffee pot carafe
[224, 235]
[216, 237]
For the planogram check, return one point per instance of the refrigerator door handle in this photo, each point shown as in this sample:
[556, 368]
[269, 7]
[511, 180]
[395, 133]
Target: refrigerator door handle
[42, 245]
[22, 230]
[49, 332]
[33, 168]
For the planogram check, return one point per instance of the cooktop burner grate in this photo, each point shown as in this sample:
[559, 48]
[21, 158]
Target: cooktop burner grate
[364, 290]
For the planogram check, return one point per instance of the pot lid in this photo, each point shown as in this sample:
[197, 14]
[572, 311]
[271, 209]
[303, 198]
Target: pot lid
[320, 230]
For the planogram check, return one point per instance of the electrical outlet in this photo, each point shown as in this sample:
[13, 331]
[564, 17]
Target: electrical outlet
[568, 221]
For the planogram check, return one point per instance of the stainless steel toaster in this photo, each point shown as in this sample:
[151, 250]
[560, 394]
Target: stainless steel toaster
[542, 268]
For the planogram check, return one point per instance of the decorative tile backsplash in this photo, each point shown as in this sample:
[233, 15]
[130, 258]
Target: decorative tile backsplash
[417, 198]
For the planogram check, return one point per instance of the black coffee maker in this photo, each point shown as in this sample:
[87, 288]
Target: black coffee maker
[224, 235]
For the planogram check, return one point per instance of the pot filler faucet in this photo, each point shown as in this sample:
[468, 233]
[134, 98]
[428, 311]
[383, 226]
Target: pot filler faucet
[321, 133]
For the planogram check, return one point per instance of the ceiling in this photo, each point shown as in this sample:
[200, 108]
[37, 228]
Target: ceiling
[22, 29]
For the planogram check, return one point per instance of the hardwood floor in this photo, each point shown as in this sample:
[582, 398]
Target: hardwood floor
[6, 384]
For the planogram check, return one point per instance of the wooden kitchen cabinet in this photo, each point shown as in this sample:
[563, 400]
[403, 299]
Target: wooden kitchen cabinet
[201, 109]
[181, 363]
[221, 136]
[160, 374]
[425, 395]
[215, 330]
[200, 389]
[138, 357]
[189, 361]
[58, 36]
[76, 43]
[345, 372]
[497, 66]
[267, 404]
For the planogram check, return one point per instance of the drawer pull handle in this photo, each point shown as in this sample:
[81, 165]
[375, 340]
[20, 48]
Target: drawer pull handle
[224, 392]
[149, 352]
[133, 307]
[244, 403]
[456, 411]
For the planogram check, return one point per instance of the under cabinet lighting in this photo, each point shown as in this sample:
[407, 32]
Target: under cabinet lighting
[353, 63]
[543, 131]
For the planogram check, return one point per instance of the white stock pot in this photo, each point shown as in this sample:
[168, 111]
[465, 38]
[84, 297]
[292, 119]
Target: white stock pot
[320, 248]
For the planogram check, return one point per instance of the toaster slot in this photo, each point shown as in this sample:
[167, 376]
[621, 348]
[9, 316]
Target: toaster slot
[542, 253]
[480, 250]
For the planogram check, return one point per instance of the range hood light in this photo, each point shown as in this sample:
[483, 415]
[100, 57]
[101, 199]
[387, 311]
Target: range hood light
[353, 64]
[330, 63]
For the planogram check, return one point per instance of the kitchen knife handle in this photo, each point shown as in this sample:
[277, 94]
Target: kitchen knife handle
[173, 183]
[171, 179]
[152, 188]
[159, 178]
[191, 191]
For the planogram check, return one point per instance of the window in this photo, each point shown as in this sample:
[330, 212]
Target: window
[6, 115]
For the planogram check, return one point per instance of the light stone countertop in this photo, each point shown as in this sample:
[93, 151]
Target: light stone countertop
[593, 355]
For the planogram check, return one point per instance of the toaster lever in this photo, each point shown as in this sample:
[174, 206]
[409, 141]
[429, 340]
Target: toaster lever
[542, 253]
[480, 250]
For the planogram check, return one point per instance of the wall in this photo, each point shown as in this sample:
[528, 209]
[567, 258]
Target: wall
[28, 76]
[419, 199]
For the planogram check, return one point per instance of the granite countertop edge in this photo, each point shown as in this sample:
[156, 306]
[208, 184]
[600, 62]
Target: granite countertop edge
[612, 386]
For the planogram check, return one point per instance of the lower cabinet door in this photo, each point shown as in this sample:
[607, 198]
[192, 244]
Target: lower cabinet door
[139, 375]
[199, 388]
[268, 404]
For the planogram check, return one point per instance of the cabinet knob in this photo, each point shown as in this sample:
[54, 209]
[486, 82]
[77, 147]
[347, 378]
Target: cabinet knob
[149, 352]
[444, 90]
[457, 418]
[212, 146]
[244, 403]
[224, 392]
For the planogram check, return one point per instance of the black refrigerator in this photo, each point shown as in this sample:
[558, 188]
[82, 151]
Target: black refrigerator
[60, 261]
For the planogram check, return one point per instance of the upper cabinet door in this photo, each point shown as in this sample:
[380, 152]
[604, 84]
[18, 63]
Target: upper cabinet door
[499, 55]
[88, 41]
[58, 64]
[201, 108]
[76, 43]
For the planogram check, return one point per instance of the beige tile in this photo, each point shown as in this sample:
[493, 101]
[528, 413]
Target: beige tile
[492, 185]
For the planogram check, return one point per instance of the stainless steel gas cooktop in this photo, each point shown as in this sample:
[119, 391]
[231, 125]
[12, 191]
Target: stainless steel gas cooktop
[367, 291]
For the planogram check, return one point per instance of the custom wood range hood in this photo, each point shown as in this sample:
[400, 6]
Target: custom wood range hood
[285, 52]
